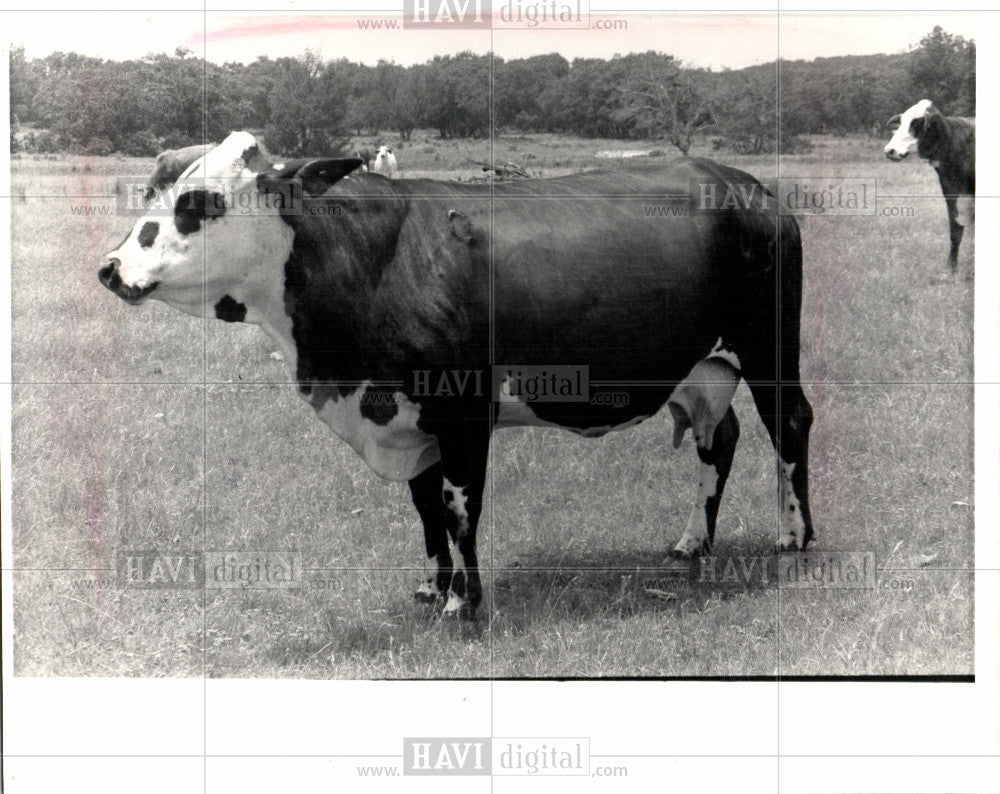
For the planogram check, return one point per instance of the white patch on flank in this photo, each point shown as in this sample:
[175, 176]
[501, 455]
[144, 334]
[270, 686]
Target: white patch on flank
[791, 525]
[728, 356]
[902, 141]
[396, 451]
[457, 504]
[696, 531]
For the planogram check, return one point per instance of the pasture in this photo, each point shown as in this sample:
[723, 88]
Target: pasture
[141, 428]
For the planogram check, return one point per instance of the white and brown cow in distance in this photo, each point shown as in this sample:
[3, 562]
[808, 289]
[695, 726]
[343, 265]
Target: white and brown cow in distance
[369, 284]
[949, 143]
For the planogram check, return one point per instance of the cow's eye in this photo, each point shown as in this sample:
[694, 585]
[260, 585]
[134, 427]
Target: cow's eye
[916, 127]
[194, 206]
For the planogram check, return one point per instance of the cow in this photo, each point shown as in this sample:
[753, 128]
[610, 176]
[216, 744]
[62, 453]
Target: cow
[949, 142]
[415, 313]
[170, 164]
[385, 162]
[364, 154]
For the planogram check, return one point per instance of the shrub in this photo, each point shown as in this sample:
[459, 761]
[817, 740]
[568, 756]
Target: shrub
[46, 142]
[98, 147]
[140, 144]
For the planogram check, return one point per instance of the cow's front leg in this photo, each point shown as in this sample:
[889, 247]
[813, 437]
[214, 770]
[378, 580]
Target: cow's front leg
[426, 491]
[464, 448]
[713, 472]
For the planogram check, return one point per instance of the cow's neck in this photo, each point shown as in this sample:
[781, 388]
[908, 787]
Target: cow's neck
[337, 259]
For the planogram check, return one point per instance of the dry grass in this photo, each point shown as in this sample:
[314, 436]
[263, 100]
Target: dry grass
[143, 428]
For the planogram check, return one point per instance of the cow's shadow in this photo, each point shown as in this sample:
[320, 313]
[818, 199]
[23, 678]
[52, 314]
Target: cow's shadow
[536, 591]
[545, 588]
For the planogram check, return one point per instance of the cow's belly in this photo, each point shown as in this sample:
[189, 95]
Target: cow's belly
[397, 450]
[514, 412]
[519, 414]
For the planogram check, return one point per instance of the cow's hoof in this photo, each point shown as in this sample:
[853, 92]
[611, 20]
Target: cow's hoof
[457, 609]
[789, 545]
[427, 592]
[690, 554]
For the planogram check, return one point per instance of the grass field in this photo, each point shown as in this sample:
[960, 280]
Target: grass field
[147, 429]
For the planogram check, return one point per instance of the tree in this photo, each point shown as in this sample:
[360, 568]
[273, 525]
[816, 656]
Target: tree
[662, 101]
[747, 114]
[305, 118]
[943, 69]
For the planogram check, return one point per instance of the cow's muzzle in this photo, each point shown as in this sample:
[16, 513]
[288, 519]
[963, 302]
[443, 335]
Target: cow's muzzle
[109, 277]
[895, 155]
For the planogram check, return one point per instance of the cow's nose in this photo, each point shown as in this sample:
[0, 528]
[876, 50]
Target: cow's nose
[108, 274]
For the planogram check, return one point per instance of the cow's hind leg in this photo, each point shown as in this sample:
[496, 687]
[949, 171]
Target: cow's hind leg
[713, 471]
[956, 231]
[790, 436]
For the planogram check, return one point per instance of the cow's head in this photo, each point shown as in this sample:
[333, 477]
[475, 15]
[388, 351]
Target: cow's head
[215, 244]
[919, 126]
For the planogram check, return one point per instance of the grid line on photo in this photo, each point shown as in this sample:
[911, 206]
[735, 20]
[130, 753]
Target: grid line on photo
[204, 437]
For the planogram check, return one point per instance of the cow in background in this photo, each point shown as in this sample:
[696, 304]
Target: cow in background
[949, 142]
[385, 162]
[170, 164]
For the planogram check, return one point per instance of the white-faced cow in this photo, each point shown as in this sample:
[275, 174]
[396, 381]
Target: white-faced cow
[949, 142]
[385, 162]
[170, 165]
[394, 301]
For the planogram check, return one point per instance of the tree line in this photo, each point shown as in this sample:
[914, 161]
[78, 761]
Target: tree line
[71, 102]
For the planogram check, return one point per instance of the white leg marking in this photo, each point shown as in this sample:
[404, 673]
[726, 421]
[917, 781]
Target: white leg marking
[455, 500]
[791, 526]
[965, 210]
[696, 531]
[428, 589]
[454, 606]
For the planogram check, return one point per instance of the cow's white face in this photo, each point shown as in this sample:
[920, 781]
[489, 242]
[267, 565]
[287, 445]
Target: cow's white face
[385, 160]
[214, 234]
[907, 135]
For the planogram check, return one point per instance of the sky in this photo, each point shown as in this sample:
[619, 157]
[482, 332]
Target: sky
[716, 41]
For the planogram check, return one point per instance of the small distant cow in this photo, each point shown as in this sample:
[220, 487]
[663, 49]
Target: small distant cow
[949, 142]
[364, 154]
[170, 165]
[385, 162]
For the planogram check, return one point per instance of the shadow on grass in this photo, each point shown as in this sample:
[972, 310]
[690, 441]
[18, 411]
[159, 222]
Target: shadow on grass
[546, 588]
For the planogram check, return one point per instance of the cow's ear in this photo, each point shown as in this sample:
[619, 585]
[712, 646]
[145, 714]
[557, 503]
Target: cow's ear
[893, 123]
[319, 175]
[316, 176]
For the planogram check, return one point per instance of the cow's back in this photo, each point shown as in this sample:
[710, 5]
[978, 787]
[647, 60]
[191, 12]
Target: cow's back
[640, 254]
